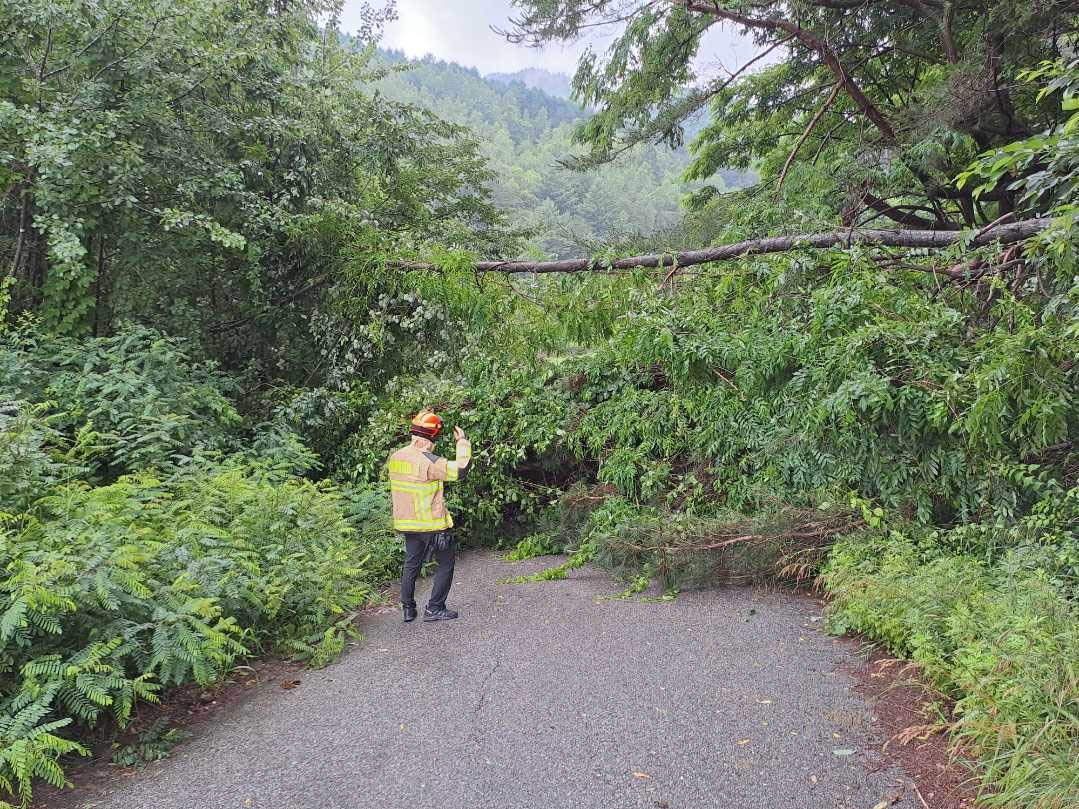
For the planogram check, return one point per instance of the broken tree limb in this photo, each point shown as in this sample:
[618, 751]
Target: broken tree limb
[808, 131]
[1004, 233]
[904, 214]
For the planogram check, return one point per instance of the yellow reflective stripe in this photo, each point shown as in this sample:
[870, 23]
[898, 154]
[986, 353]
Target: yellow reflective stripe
[402, 468]
[425, 487]
[423, 525]
[452, 472]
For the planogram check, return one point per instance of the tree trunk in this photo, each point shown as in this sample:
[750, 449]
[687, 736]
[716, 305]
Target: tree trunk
[27, 262]
[1006, 234]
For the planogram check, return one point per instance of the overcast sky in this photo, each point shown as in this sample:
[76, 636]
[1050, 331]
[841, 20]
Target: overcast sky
[460, 31]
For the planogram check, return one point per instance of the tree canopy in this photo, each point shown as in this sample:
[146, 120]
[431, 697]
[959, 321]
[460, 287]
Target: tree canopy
[205, 165]
[871, 106]
[240, 249]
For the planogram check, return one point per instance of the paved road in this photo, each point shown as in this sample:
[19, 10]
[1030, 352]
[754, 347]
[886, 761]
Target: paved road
[548, 696]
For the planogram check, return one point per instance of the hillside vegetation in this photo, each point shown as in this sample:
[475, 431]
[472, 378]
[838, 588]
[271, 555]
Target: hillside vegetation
[210, 340]
[553, 84]
[525, 134]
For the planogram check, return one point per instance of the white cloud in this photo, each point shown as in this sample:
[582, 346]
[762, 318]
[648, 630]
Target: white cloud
[460, 31]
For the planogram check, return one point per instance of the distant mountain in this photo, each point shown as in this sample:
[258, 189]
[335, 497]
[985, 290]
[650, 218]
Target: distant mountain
[555, 84]
[525, 132]
[460, 94]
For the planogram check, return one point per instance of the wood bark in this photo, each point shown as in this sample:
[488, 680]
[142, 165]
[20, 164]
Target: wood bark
[27, 262]
[903, 215]
[1005, 233]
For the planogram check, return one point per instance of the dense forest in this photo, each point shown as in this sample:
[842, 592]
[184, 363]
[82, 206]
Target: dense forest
[554, 84]
[240, 249]
[525, 135]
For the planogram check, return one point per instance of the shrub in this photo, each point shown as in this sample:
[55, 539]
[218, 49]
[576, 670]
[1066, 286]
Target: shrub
[369, 512]
[147, 401]
[114, 592]
[33, 456]
[1002, 642]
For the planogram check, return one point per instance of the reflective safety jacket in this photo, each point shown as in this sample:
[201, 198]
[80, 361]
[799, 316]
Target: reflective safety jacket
[416, 486]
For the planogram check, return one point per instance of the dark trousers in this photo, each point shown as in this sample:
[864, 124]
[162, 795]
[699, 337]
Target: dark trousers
[418, 548]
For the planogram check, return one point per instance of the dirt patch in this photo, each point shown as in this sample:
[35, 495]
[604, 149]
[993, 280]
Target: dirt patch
[908, 729]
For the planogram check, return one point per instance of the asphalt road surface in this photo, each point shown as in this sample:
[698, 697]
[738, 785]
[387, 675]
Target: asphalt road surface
[548, 696]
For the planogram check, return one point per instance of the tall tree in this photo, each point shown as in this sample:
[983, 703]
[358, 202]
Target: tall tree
[211, 167]
[875, 104]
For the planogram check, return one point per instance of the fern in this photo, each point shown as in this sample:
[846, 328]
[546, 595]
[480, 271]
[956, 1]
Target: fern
[125, 590]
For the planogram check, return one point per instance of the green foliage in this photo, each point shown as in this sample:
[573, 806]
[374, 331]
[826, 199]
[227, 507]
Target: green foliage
[113, 592]
[152, 744]
[369, 514]
[1042, 170]
[902, 122]
[764, 382]
[134, 401]
[33, 456]
[1000, 641]
[790, 379]
[578, 559]
[29, 746]
[118, 586]
[538, 544]
[587, 519]
[215, 171]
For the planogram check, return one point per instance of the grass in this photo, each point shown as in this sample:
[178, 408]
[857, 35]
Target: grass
[1002, 642]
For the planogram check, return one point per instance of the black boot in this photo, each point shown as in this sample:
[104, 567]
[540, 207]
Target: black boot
[410, 613]
[439, 614]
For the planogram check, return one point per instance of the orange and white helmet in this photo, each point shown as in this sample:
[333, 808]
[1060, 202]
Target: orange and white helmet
[426, 424]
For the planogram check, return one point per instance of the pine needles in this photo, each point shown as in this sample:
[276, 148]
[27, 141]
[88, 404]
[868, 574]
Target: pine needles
[682, 551]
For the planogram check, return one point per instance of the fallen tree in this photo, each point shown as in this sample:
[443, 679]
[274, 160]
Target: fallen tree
[683, 551]
[1003, 233]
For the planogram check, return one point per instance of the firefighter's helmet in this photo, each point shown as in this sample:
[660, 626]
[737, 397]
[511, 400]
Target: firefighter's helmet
[426, 424]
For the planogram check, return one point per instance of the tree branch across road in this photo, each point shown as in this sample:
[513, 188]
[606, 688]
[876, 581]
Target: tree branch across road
[1004, 233]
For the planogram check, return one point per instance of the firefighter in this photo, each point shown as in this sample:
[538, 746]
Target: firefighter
[419, 511]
